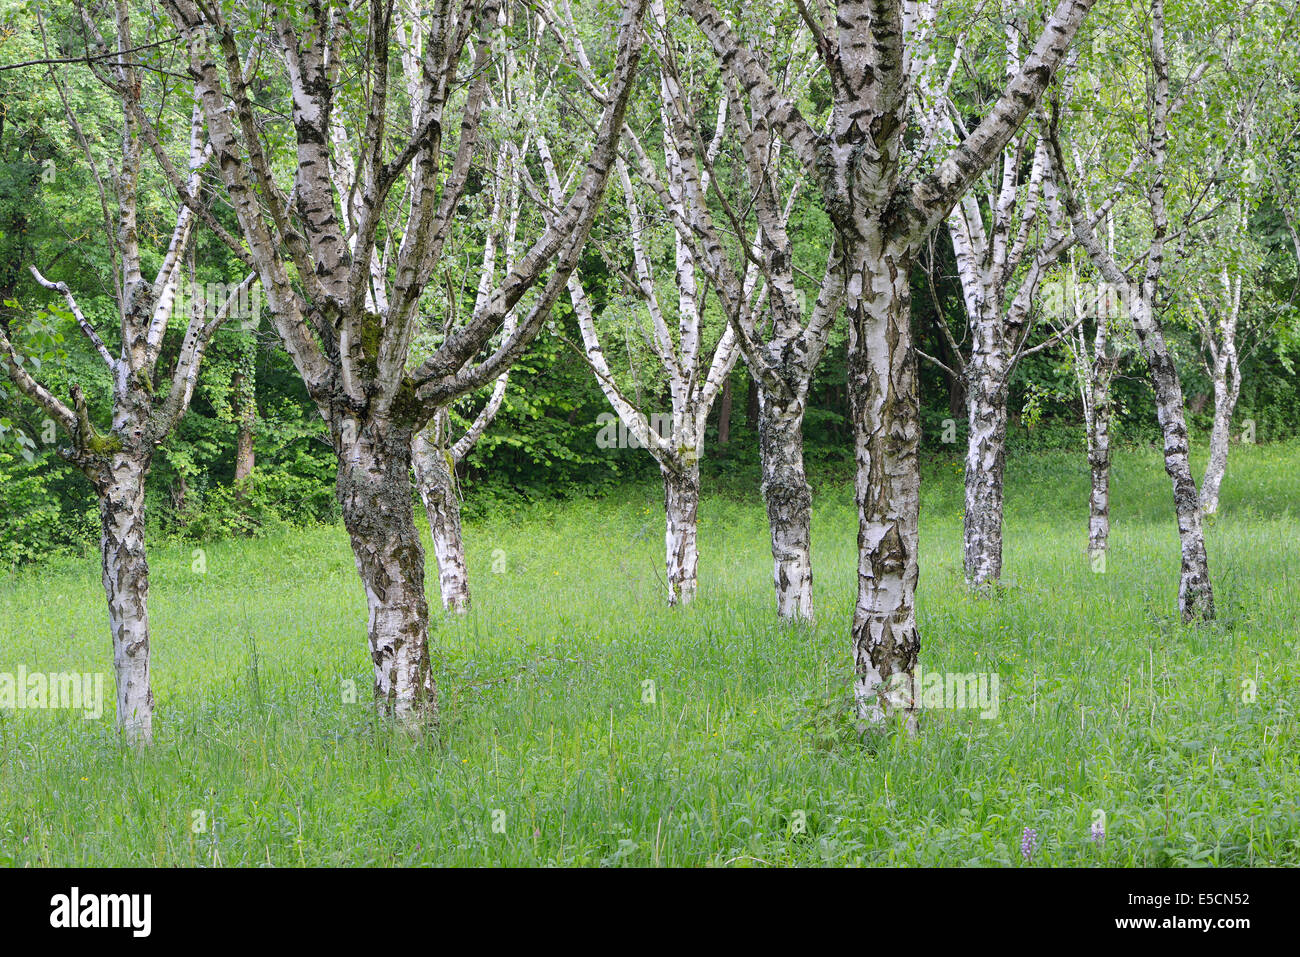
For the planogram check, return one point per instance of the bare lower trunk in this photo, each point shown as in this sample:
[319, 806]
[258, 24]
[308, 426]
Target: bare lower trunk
[374, 490]
[789, 505]
[1195, 596]
[435, 477]
[241, 384]
[244, 460]
[885, 413]
[681, 508]
[724, 414]
[1226, 389]
[126, 585]
[985, 459]
[1099, 467]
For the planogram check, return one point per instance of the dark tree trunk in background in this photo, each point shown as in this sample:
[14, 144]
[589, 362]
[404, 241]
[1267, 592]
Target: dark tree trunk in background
[751, 407]
[243, 384]
[724, 414]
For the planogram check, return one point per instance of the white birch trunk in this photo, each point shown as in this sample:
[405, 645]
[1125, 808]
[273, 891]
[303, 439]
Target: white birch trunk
[681, 508]
[1099, 465]
[986, 391]
[1195, 598]
[374, 491]
[1227, 386]
[885, 409]
[126, 586]
[789, 503]
[436, 480]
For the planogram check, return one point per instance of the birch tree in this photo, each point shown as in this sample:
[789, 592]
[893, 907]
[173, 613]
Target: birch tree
[1095, 353]
[1216, 312]
[149, 395]
[694, 374]
[783, 343]
[1221, 272]
[1139, 285]
[1006, 234]
[1223, 290]
[346, 313]
[677, 332]
[882, 209]
[438, 449]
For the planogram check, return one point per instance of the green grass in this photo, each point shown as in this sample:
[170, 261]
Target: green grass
[1107, 702]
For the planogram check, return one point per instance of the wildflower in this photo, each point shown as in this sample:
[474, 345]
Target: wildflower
[1098, 832]
[1028, 843]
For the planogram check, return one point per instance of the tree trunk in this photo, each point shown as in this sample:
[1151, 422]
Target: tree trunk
[1195, 596]
[1099, 466]
[885, 413]
[374, 491]
[789, 504]
[246, 414]
[724, 414]
[681, 508]
[1227, 386]
[986, 393]
[126, 585]
[751, 407]
[435, 477]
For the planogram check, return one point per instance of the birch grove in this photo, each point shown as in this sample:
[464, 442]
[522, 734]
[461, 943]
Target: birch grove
[881, 214]
[148, 396]
[347, 327]
[480, 227]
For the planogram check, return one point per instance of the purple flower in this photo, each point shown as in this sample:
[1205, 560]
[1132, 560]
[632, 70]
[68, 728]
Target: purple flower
[1028, 843]
[1099, 832]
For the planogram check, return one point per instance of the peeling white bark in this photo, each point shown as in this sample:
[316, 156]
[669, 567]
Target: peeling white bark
[789, 504]
[126, 586]
[885, 408]
[681, 509]
[374, 492]
[986, 396]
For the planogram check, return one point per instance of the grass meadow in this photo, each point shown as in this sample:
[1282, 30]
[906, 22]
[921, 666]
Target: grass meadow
[555, 749]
